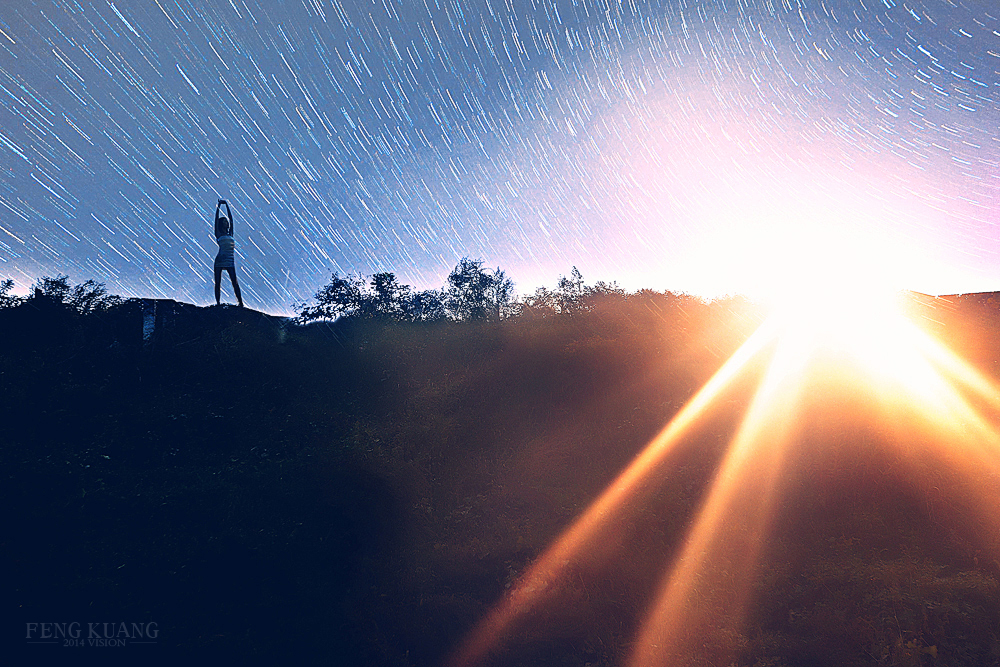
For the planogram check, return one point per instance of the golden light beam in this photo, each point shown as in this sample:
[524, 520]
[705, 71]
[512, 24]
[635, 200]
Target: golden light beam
[924, 386]
[964, 440]
[624, 492]
[701, 604]
[959, 369]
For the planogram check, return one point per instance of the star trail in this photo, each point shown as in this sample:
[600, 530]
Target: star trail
[667, 144]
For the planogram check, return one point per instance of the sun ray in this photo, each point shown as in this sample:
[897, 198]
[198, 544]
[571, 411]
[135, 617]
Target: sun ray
[926, 386]
[960, 370]
[701, 603]
[960, 438]
[624, 492]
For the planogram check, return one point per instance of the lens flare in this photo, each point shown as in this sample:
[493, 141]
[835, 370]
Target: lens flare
[941, 407]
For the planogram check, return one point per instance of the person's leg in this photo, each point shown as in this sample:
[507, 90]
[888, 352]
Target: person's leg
[218, 285]
[236, 285]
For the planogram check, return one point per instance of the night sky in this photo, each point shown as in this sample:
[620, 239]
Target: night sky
[706, 146]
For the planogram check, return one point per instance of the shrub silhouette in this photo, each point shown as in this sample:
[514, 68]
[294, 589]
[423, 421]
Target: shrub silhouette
[570, 296]
[471, 293]
[8, 300]
[380, 298]
[476, 294]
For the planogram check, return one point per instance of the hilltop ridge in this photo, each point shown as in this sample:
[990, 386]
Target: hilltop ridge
[362, 491]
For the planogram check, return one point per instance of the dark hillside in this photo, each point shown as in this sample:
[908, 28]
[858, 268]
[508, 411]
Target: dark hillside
[362, 492]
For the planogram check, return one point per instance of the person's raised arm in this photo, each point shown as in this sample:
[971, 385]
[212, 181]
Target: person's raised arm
[230, 212]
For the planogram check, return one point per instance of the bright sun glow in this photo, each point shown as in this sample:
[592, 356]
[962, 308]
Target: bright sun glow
[864, 326]
[802, 246]
[840, 297]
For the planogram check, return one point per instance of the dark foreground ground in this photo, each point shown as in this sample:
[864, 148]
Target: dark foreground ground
[362, 494]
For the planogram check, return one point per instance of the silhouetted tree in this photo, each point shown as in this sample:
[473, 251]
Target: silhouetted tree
[473, 293]
[382, 297]
[570, 289]
[8, 300]
[88, 297]
[570, 296]
[542, 303]
[425, 306]
[386, 298]
[570, 292]
[92, 296]
[54, 289]
[602, 291]
[342, 297]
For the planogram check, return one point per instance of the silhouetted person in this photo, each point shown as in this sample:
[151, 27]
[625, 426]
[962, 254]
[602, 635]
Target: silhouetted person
[226, 259]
